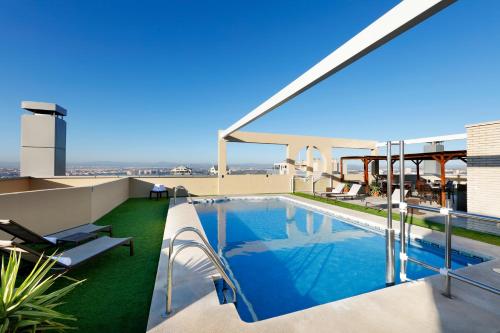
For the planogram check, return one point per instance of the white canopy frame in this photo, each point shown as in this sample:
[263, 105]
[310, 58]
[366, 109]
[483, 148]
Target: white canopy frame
[399, 19]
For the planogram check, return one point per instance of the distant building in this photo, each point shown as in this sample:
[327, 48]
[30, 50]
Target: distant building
[301, 166]
[280, 168]
[214, 170]
[181, 170]
[335, 165]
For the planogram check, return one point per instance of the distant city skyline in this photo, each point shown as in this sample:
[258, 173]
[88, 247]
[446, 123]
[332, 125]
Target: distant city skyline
[155, 83]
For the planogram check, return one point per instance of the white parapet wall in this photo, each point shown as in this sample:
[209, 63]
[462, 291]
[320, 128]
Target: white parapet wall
[483, 168]
[50, 205]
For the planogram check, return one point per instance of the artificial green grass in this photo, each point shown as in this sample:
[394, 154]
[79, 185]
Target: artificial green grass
[117, 292]
[411, 219]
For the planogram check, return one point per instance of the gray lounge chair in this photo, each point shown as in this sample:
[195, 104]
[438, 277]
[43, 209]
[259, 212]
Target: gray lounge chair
[19, 231]
[73, 257]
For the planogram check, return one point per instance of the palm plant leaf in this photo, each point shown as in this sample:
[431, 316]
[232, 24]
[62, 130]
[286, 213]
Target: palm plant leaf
[30, 306]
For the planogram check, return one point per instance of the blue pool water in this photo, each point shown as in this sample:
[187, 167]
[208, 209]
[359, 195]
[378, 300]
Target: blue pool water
[285, 258]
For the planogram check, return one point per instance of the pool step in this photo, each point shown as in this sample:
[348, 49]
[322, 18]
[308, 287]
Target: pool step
[223, 291]
[228, 295]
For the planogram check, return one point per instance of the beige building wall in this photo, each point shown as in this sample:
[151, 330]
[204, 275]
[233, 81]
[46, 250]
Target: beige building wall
[483, 168]
[321, 184]
[302, 184]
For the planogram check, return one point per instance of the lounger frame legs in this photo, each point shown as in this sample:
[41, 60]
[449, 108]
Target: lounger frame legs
[131, 247]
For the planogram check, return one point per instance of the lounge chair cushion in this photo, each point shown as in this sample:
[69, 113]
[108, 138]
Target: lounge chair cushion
[88, 228]
[90, 249]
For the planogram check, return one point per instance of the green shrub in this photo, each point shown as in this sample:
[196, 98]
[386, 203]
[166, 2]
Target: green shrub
[29, 306]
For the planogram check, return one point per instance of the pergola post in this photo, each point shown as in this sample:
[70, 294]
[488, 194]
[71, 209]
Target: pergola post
[341, 169]
[442, 159]
[417, 163]
[442, 163]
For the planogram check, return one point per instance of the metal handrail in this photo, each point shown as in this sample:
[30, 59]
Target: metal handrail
[175, 192]
[205, 242]
[214, 260]
[187, 229]
[447, 271]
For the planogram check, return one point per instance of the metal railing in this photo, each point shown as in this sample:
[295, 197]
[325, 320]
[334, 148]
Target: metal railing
[403, 210]
[180, 187]
[209, 252]
[446, 271]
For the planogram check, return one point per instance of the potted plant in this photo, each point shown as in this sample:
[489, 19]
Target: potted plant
[375, 190]
[29, 305]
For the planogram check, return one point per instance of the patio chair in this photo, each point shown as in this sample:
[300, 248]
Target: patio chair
[158, 189]
[68, 259]
[76, 235]
[425, 192]
[337, 190]
[395, 199]
[352, 194]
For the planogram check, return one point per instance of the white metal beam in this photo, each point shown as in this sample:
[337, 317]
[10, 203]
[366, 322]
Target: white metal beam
[450, 137]
[402, 17]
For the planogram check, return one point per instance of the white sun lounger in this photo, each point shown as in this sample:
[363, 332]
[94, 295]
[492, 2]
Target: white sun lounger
[337, 190]
[19, 231]
[73, 257]
[352, 194]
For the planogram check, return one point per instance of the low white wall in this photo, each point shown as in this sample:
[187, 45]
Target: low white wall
[140, 186]
[254, 184]
[106, 196]
[47, 211]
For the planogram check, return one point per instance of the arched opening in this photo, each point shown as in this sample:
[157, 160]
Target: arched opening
[315, 167]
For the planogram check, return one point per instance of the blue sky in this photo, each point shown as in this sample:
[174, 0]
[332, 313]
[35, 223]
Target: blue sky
[154, 81]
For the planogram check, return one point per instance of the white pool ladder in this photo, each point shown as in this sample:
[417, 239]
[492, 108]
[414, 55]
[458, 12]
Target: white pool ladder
[210, 253]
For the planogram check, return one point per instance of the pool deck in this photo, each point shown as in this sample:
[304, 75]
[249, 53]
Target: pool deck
[410, 307]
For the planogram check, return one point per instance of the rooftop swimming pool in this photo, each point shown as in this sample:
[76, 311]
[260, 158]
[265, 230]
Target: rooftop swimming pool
[285, 257]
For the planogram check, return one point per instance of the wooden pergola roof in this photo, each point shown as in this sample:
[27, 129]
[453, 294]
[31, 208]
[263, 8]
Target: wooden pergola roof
[439, 156]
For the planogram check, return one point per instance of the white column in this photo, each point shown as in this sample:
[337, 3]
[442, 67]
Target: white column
[222, 157]
[291, 153]
[309, 161]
